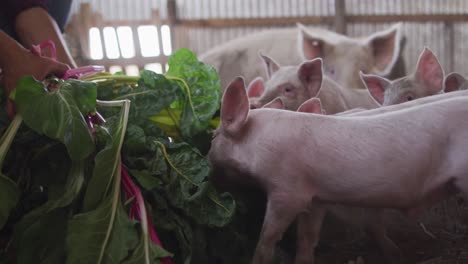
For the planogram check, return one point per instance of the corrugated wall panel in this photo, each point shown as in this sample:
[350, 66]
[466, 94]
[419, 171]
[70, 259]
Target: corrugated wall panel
[434, 35]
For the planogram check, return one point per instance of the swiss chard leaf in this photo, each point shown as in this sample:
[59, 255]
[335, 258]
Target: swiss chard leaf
[105, 230]
[154, 93]
[44, 240]
[189, 189]
[202, 91]
[88, 241]
[71, 190]
[58, 114]
[135, 140]
[155, 253]
[9, 195]
[106, 163]
[84, 93]
[146, 180]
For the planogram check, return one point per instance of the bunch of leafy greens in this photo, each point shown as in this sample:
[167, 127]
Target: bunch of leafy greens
[61, 199]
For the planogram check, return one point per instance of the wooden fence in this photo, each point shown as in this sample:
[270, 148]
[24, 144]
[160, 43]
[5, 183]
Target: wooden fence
[202, 24]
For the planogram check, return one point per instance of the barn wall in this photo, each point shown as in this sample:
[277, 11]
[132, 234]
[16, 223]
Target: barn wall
[446, 39]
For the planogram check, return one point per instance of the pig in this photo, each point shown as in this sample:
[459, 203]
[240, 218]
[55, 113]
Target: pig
[298, 159]
[427, 79]
[408, 104]
[344, 57]
[454, 82]
[295, 84]
[371, 219]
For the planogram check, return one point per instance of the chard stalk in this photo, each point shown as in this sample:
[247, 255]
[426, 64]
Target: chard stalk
[115, 202]
[8, 136]
[125, 104]
[121, 78]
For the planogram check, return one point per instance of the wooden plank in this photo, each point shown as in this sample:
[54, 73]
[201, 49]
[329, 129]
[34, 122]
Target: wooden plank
[288, 21]
[251, 22]
[432, 18]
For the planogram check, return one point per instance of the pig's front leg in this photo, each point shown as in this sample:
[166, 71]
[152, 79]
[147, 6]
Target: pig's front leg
[308, 234]
[281, 210]
[378, 229]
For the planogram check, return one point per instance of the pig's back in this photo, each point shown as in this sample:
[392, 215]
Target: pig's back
[400, 156]
[239, 57]
[387, 154]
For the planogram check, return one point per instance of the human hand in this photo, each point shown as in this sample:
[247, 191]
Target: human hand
[20, 62]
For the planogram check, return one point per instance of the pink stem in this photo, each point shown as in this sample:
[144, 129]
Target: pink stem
[98, 119]
[37, 49]
[53, 51]
[83, 70]
[130, 190]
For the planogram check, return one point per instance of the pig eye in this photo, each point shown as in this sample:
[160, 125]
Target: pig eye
[288, 90]
[409, 98]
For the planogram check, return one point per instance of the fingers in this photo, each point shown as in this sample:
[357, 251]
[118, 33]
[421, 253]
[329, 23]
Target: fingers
[53, 67]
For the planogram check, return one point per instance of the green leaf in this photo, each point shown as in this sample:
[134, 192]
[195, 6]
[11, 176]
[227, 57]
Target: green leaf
[155, 252]
[57, 114]
[9, 196]
[9, 193]
[106, 163]
[88, 240]
[174, 228]
[71, 190]
[204, 96]
[135, 140]
[84, 93]
[146, 179]
[190, 191]
[43, 241]
[153, 94]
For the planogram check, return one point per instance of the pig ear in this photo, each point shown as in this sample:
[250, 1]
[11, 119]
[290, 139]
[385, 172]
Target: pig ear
[276, 103]
[311, 45]
[256, 87]
[385, 48]
[270, 64]
[311, 74]
[453, 82]
[313, 105]
[235, 106]
[429, 72]
[376, 86]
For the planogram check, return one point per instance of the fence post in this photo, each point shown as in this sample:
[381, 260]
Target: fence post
[172, 22]
[340, 16]
[450, 31]
[85, 16]
[171, 12]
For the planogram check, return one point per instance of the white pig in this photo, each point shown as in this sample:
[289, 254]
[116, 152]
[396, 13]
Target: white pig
[299, 159]
[408, 104]
[370, 218]
[344, 56]
[454, 82]
[296, 84]
[427, 80]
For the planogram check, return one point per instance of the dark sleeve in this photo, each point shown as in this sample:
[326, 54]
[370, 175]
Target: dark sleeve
[14, 7]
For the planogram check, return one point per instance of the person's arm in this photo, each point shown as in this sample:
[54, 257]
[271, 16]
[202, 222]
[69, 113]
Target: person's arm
[35, 25]
[16, 62]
